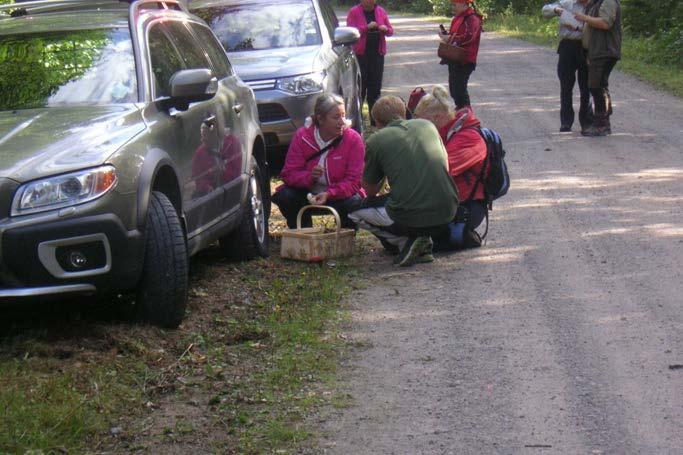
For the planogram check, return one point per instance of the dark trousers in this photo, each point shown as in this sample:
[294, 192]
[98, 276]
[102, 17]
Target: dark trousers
[598, 83]
[371, 73]
[571, 66]
[291, 200]
[458, 77]
[472, 214]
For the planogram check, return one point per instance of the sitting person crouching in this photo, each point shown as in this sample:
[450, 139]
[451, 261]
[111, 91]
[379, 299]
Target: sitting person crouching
[333, 177]
[466, 150]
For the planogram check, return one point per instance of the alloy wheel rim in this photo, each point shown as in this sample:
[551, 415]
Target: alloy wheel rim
[257, 209]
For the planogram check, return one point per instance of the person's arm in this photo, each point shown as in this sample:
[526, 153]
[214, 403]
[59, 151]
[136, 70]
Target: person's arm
[373, 176]
[355, 159]
[294, 173]
[386, 27]
[595, 22]
[551, 10]
[607, 15]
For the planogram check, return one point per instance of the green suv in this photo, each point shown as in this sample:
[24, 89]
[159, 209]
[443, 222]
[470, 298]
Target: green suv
[127, 144]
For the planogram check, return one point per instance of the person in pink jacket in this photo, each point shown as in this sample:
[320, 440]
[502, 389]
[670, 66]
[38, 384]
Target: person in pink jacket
[374, 26]
[324, 160]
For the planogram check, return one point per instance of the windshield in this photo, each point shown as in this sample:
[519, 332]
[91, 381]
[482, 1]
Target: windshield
[64, 68]
[256, 26]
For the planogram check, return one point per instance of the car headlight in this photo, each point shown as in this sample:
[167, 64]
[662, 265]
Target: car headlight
[304, 84]
[63, 190]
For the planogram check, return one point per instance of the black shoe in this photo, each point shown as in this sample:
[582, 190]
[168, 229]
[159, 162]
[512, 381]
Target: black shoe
[596, 131]
[388, 247]
[565, 128]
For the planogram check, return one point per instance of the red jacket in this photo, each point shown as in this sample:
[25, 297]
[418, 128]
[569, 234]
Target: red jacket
[466, 151]
[466, 32]
[344, 164]
[356, 18]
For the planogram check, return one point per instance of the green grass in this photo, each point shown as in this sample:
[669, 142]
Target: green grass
[257, 353]
[644, 58]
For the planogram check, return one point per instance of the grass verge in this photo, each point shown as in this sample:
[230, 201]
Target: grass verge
[641, 57]
[256, 354]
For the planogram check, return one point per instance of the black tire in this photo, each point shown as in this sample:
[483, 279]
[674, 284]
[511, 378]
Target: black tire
[358, 114]
[251, 238]
[162, 293]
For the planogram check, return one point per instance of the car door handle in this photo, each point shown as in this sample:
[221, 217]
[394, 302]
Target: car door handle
[210, 120]
[237, 108]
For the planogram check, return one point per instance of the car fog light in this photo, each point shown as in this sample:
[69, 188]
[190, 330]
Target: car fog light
[77, 259]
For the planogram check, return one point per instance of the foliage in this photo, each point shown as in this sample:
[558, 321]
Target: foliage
[33, 67]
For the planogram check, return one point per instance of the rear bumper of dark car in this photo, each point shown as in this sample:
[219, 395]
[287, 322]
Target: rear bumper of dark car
[79, 255]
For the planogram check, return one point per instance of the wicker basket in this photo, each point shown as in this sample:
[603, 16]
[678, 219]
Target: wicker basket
[315, 244]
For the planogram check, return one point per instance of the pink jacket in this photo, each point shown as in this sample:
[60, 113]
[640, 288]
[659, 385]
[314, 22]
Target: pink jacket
[344, 164]
[356, 18]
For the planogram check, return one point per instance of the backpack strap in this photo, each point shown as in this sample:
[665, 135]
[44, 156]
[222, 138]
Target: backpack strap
[334, 143]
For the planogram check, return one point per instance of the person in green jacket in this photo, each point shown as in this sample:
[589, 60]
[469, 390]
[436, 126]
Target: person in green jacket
[602, 41]
[411, 157]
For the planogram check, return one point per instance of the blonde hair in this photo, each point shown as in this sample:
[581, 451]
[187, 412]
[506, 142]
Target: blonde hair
[436, 104]
[324, 105]
[387, 109]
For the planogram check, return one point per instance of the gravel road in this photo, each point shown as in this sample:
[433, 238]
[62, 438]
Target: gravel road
[564, 334]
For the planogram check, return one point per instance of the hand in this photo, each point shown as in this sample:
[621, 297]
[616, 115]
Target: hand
[320, 199]
[317, 172]
[558, 11]
[580, 17]
[372, 25]
[383, 28]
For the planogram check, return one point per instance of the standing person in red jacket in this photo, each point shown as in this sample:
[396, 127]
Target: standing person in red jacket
[373, 24]
[332, 177]
[465, 32]
[466, 150]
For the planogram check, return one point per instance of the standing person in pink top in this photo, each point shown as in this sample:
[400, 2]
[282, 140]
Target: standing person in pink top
[325, 159]
[374, 26]
[465, 32]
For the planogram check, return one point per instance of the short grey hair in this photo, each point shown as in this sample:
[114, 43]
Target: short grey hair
[324, 104]
[437, 103]
[388, 108]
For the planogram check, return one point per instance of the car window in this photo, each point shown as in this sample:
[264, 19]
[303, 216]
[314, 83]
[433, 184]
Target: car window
[221, 65]
[330, 18]
[65, 68]
[164, 59]
[263, 25]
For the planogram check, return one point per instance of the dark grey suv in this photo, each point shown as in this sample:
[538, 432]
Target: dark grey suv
[288, 51]
[127, 143]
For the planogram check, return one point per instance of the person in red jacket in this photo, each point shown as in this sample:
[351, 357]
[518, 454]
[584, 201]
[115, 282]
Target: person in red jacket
[465, 32]
[325, 159]
[466, 150]
[373, 24]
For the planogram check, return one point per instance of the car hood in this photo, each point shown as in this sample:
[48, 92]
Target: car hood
[274, 63]
[38, 142]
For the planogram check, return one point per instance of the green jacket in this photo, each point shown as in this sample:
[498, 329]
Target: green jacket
[604, 43]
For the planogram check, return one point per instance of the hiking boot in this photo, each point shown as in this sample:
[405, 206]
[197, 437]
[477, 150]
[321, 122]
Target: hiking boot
[565, 128]
[472, 239]
[413, 249]
[600, 127]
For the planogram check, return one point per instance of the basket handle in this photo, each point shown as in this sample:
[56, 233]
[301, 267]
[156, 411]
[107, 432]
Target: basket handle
[326, 207]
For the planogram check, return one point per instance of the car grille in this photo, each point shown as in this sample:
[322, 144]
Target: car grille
[265, 84]
[271, 112]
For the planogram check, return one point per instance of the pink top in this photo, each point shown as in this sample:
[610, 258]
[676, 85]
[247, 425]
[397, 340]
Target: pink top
[344, 163]
[356, 18]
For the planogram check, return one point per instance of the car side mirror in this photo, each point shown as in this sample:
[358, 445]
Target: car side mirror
[345, 35]
[189, 86]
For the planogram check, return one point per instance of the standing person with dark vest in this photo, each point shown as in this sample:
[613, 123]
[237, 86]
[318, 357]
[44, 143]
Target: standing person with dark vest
[465, 32]
[571, 63]
[372, 22]
[602, 39]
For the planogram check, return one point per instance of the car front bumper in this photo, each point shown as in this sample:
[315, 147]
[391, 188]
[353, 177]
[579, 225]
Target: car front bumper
[81, 255]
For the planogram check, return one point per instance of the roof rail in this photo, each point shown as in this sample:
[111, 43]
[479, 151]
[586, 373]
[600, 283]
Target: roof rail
[136, 5]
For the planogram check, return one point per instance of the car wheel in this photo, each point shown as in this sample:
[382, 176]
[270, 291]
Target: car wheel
[251, 238]
[358, 115]
[162, 294]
